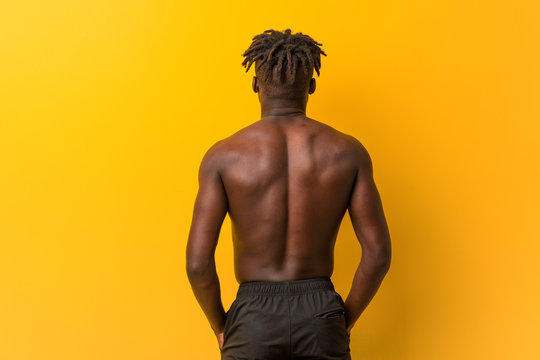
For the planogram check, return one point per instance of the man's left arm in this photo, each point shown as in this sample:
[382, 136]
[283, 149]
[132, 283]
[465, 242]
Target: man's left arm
[209, 211]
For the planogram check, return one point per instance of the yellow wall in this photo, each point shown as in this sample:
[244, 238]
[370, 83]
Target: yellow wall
[106, 108]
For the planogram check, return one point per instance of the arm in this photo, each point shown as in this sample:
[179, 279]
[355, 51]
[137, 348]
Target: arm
[369, 223]
[209, 211]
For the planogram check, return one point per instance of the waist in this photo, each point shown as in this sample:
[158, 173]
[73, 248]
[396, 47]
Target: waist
[286, 287]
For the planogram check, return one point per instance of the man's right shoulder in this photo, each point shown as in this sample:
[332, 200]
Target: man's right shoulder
[222, 146]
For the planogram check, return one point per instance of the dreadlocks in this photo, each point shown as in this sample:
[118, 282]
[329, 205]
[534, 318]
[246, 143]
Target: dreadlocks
[277, 56]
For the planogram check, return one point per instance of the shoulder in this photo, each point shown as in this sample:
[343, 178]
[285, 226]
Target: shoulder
[348, 146]
[361, 155]
[211, 160]
[220, 153]
[357, 151]
[242, 142]
[213, 151]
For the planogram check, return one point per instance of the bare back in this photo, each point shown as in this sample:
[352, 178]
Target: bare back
[288, 184]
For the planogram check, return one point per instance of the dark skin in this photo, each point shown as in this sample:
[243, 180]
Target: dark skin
[286, 182]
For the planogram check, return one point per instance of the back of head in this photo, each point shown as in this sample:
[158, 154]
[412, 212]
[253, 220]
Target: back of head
[284, 62]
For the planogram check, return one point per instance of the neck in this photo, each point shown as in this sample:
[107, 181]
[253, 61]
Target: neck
[282, 107]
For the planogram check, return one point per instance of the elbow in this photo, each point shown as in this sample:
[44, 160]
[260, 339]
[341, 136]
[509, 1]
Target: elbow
[379, 260]
[383, 262]
[198, 268]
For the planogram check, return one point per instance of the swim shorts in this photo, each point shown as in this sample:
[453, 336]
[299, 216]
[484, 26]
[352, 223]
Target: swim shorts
[295, 319]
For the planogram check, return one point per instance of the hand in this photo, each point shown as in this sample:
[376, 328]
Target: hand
[219, 333]
[220, 339]
[348, 327]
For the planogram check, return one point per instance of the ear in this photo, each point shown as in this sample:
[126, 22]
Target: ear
[312, 86]
[255, 84]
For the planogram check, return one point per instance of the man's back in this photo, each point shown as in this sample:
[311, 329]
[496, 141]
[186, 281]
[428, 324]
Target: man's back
[288, 182]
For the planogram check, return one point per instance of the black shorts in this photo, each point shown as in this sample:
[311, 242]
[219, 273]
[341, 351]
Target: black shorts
[296, 319]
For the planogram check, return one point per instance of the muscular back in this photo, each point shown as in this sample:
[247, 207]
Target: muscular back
[288, 183]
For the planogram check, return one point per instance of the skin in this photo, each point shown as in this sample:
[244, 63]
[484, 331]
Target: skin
[286, 182]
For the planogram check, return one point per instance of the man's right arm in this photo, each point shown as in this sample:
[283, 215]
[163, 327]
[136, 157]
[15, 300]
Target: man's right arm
[369, 223]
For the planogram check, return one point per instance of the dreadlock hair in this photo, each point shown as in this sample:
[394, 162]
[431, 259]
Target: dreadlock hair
[277, 56]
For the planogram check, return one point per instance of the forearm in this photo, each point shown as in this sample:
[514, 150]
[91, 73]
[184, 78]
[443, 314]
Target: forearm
[205, 285]
[366, 282]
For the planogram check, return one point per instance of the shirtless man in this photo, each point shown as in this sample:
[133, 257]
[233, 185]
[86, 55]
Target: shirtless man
[286, 182]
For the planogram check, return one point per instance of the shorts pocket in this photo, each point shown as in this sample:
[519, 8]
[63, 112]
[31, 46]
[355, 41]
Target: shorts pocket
[331, 334]
[331, 313]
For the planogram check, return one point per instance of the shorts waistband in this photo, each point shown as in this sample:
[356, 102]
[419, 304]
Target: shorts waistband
[287, 287]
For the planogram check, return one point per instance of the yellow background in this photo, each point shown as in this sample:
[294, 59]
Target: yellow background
[106, 108]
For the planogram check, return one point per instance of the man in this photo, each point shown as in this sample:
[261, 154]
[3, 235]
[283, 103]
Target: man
[286, 182]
